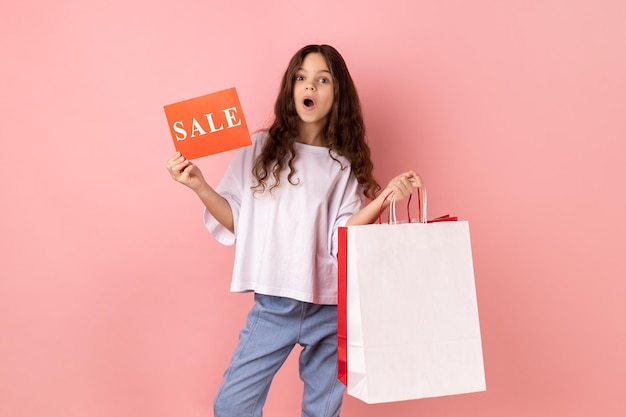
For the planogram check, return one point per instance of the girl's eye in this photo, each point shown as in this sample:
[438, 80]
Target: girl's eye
[324, 80]
[299, 78]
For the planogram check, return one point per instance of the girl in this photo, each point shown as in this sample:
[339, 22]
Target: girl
[283, 199]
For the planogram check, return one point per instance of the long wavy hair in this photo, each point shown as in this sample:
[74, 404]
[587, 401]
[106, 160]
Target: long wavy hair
[345, 130]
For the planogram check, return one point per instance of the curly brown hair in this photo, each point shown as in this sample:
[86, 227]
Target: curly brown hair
[345, 130]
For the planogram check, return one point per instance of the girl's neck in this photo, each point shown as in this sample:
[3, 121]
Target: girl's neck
[312, 135]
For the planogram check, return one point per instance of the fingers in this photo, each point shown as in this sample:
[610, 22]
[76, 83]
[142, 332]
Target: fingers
[404, 184]
[175, 158]
[176, 165]
[416, 180]
[175, 162]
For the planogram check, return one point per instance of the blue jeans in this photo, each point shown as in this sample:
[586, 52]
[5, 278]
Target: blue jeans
[274, 326]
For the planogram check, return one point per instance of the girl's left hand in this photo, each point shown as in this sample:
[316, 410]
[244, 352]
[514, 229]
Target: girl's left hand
[403, 185]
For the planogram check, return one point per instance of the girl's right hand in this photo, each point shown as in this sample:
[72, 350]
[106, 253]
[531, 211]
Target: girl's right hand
[185, 172]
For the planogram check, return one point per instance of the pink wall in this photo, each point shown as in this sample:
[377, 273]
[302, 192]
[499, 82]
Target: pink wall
[113, 299]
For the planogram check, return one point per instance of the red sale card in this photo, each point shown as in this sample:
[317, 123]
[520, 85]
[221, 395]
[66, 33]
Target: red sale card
[208, 124]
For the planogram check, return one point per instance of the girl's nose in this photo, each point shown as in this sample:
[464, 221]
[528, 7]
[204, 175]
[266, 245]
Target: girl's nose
[310, 87]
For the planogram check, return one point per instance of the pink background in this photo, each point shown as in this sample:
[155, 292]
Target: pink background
[113, 298]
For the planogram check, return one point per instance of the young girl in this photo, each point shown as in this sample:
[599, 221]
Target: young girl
[283, 199]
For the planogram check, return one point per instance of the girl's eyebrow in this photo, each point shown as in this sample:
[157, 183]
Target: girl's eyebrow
[324, 70]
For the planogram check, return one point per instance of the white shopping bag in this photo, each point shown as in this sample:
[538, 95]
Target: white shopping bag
[408, 314]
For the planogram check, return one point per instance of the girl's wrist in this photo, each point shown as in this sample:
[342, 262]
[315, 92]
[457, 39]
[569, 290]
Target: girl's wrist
[384, 198]
[202, 188]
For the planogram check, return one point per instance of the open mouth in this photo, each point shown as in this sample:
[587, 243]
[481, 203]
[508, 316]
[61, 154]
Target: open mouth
[309, 104]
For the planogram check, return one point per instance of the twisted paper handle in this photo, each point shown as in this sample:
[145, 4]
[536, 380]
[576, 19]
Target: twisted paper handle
[421, 207]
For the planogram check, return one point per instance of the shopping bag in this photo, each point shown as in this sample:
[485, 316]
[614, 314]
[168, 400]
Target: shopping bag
[408, 314]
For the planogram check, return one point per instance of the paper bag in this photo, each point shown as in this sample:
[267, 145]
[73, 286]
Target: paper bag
[408, 314]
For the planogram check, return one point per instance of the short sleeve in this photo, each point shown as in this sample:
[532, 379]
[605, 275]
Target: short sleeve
[232, 187]
[352, 202]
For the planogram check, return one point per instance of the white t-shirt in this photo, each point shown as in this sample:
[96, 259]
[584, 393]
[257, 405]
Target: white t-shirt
[287, 238]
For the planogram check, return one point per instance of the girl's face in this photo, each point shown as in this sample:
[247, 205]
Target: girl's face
[313, 90]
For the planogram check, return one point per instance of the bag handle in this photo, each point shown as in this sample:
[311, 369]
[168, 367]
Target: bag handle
[421, 207]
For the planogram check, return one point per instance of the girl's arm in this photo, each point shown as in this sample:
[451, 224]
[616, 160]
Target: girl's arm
[402, 186]
[187, 173]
